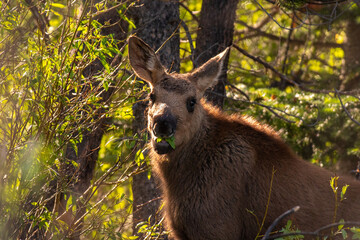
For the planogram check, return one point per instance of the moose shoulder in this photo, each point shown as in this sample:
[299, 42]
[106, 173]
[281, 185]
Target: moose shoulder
[216, 179]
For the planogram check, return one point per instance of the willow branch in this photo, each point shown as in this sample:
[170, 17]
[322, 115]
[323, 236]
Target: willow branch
[40, 20]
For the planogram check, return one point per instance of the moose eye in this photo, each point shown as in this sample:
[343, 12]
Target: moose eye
[152, 97]
[190, 104]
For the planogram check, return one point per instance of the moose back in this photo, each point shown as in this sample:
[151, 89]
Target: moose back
[215, 169]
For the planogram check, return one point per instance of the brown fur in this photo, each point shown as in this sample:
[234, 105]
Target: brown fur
[222, 165]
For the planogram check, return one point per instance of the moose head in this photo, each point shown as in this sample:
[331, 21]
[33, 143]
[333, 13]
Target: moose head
[175, 112]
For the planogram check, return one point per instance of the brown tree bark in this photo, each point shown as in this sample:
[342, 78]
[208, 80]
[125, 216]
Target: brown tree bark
[215, 33]
[157, 22]
[351, 81]
[351, 74]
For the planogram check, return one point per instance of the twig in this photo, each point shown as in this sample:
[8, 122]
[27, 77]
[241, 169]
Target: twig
[267, 19]
[40, 20]
[316, 233]
[287, 47]
[268, 202]
[344, 108]
[138, 207]
[300, 86]
[259, 33]
[188, 35]
[187, 9]
[278, 219]
[271, 109]
[325, 2]
[168, 39]
[266, 65]
[239, 90]
[274, 20]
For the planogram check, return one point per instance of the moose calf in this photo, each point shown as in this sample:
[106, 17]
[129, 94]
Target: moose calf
[216, 179]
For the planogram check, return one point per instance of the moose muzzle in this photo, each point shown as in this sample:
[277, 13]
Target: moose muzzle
[163, 128]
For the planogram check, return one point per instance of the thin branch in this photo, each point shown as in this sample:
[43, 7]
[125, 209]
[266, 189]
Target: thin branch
[40, 20]
[274, 20]
[260, 33]
[278, 219]
[271, 109]
[102, 12]
[344, 108]
[265, 64]
[325, 2]
[268, 202]
[170, 37]
[239, 90]
[328, 22]
[188, 10]
[287, 47]
[188, 35]
[267, 19]
[316, 233]
[286, 78]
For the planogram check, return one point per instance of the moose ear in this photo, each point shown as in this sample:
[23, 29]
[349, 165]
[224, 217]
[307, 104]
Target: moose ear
[144, 61]
[208, 74]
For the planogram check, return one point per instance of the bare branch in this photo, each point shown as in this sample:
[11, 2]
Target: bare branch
[346, 111]
[187, 9]
[260, 33]
[271, 109]
[316, 233]
[188, 35]
[239, 90]
[291, 81]
[287, 47]
[278, 219]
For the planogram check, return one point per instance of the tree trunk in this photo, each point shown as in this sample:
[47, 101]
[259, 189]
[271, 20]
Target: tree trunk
[215, 33]
[156, 21]
[352, 55]
[351, 81]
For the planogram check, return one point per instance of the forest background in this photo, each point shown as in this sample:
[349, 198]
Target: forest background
[73, 160]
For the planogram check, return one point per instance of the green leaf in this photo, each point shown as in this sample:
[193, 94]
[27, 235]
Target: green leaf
[170, 140]
[356, 232]
[342, 225]
[333, 183]
[57, 5]
[149, 174]
[139, 157]
[75, 164]
[344, 234]
[343, 191]
[106, 85]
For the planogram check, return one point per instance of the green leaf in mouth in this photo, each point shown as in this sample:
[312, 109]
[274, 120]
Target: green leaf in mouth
[170, 140]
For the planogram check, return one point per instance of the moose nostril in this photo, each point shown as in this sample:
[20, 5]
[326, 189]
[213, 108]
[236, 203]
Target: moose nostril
[163, 129]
